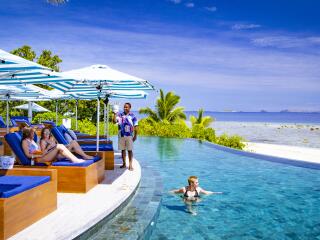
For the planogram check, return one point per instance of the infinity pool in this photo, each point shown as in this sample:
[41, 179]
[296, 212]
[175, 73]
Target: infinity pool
[261, 199]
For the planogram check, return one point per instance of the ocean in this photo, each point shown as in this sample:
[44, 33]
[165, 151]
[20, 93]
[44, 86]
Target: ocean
[270, 117]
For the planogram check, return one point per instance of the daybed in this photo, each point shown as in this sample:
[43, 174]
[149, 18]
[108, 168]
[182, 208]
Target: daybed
[72, 177]
[105, 150]
[26, 195]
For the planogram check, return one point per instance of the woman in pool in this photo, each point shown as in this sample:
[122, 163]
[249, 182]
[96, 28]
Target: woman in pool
[46, 142]
[191, 193]
[31, 149]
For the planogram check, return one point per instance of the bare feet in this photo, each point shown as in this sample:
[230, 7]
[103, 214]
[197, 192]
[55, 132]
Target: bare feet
[130, 168]
[123, 166]
[79, 161]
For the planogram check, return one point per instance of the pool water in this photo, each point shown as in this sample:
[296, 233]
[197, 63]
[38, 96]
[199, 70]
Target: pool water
[260, 200]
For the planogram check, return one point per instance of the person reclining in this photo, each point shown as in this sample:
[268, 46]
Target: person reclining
[46, 142]
[31, 149]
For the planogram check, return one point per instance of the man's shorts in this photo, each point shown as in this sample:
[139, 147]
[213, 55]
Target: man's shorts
[125, 143]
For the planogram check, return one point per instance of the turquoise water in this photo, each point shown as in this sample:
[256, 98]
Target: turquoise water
[261, 199]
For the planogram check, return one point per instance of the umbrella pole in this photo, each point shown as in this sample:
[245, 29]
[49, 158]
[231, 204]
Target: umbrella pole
[7, 117]
[98, 127]
[57, 112]
[108, 134]
[77, 102]
[30, 111]
[104, 119]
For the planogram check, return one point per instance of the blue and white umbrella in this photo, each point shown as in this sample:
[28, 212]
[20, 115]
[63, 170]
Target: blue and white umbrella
[99, 78]
[21, 92]
[15, 70]
[97, 81]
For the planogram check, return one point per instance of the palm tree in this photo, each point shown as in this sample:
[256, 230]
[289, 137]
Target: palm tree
[201, 120]
[166, 110]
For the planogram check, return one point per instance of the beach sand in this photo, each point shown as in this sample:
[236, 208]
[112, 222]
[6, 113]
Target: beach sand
[285, 151]
[292, 141]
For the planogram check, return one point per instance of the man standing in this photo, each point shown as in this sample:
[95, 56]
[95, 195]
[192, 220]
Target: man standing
[128, 131]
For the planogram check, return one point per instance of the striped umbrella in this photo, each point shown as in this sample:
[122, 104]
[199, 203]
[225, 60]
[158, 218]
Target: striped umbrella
[97, 80]
[15, 70]
[21, 92]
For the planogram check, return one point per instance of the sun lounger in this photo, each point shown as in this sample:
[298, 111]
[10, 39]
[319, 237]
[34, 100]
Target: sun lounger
[26, 196]
[22, 121]
[105, 150]
[72, 177]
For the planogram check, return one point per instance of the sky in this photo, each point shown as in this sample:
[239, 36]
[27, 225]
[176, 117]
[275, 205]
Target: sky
[242, 55]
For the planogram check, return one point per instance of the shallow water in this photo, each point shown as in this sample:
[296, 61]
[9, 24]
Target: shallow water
[261, 199]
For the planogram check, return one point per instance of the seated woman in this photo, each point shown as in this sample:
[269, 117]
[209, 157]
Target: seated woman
[31, 149]
[46, 143]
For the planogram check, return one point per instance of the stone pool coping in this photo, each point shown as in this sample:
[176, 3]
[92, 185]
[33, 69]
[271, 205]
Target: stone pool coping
[137, 219]
[76, 213]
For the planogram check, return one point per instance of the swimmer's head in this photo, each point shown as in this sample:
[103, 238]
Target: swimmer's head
[193, 180]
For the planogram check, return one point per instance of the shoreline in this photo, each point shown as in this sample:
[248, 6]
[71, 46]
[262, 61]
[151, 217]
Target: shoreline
[290, 134]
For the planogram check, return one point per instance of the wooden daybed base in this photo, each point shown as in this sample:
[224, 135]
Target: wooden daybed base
[76, 179]
[22, 210]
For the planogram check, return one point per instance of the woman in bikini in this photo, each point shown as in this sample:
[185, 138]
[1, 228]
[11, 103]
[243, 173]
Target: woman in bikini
[191, 193]
[31, 149]
[46, 142]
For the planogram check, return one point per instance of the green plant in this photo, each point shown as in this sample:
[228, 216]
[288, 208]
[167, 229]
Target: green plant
[163, 129]
[166, 110]
[201, 120]
[49, 116]
[234, 141]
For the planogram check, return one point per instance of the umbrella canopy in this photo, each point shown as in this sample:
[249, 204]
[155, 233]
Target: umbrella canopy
[129, 94]
[15, 70]
[34, 107]
[99, 78]
[10, 63]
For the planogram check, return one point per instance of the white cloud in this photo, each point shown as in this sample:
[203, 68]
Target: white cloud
[240, 26]
[190, 5]
[175, 1]
[286, 41]
[173, 62]
[211, 9]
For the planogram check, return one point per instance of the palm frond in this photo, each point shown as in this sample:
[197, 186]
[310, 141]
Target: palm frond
[176, 114]
[206, 121]
[148, 111]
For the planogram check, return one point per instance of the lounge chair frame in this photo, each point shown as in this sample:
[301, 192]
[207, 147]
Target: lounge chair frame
[77, 179]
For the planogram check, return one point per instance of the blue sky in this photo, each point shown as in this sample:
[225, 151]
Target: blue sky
[220, 55]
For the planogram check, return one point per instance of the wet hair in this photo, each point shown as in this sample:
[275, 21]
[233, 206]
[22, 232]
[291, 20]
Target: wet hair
[127, 103]
[26, 132]
[191, 179]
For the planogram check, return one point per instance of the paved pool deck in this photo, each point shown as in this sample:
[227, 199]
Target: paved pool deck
[77, 213]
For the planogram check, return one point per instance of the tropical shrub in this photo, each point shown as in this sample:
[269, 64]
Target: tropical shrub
[49, 116]
[202, 133]
[179, 129]
[233, 141]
